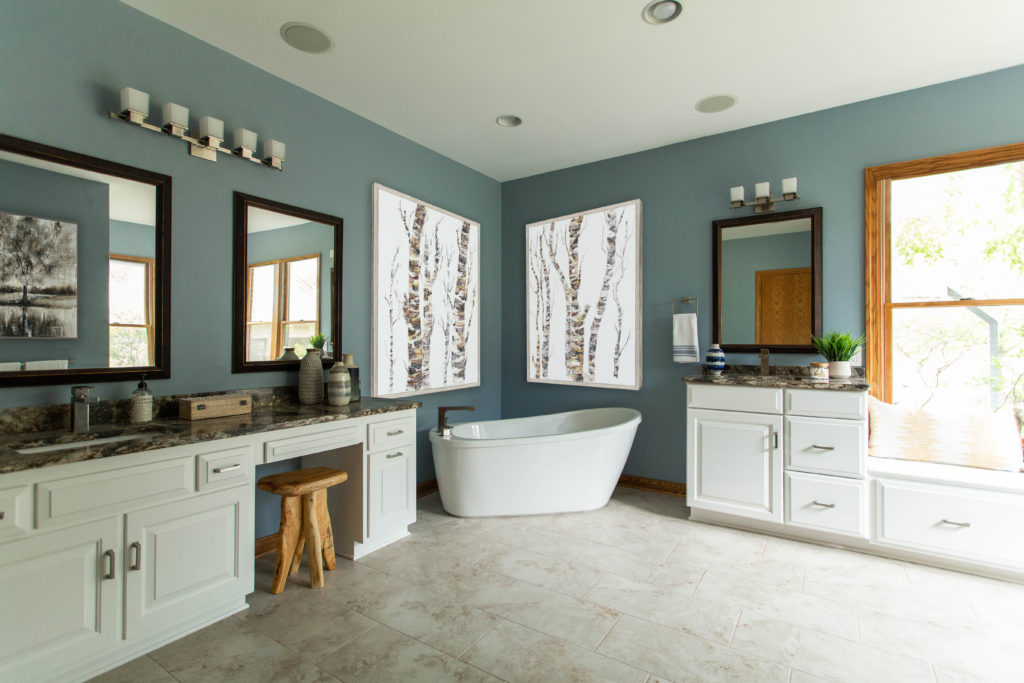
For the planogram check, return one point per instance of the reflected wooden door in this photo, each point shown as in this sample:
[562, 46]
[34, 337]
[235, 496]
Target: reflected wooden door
[783, 306]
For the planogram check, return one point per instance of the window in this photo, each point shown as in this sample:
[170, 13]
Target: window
[945, 280]
[130, 311]
[283, 307]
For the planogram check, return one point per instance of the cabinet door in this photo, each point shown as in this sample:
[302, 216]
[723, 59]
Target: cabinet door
[186, 557]
[734, 463]
[59, 599]
[391, 497]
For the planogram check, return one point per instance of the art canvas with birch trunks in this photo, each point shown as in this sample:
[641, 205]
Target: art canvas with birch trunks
[583, 302]
[426, 297]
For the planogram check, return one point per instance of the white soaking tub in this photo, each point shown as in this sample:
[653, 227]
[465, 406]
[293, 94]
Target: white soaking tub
[565, 462]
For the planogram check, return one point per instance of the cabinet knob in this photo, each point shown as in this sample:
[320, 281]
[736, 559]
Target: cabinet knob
[136, 548]
[111, 557]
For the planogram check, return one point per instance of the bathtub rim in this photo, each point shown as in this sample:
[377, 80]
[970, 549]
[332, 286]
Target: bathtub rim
[634, 419]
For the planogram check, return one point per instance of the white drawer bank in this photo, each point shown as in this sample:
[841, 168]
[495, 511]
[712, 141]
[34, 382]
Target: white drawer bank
[794, 462]
[104, 560]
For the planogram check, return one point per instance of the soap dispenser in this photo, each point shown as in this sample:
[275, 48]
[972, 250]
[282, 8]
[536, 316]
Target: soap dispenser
[142, 403]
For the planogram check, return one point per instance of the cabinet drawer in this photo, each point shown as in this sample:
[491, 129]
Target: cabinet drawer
[222, 469]
[959, 522]
[744, 399]
[310, 444]
[391, 494]
[390, 433]
[68, 500]
[826, 446]
[826, 503]
[15, 511]
[850, 405]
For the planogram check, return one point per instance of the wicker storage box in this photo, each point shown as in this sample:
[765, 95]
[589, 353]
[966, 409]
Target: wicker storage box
[220, 405]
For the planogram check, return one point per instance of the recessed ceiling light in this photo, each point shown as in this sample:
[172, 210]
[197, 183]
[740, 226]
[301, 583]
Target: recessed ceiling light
[508, 121]
[661, 11]
[715, 104]
[306, 37]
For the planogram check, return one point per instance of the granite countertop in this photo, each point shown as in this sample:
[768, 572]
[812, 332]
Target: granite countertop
[164, 432]
[787, 381]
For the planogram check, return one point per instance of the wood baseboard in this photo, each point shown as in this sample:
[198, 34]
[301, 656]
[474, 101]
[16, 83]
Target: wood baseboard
[425, 488]
[268, 544]
[672, 488]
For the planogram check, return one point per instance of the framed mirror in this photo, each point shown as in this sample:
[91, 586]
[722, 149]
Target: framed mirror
[767, 280]
[287, 284]
[85, 268]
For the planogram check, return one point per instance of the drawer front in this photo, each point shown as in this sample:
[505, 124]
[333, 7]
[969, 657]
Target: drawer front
[68, 500]
[743, 399]
[391, 494]
[15, 511]
[959, 522]
[849, 405]
[390, 433]
[826, 446]
[223, 469]
[311, 444]
[826, 503]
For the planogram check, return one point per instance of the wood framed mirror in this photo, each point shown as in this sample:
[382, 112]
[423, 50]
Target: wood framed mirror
[287, 284]
[767, 281]
[85, 268]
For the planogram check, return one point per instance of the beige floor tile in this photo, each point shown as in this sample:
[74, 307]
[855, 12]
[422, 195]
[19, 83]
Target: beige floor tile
[140, 669]
[607, 531]
[629, 565]
[708, 545]
[796, 676]
[579, 622]
[561, 576]
[672, 654]
[311, 628]
[516, 653]
[385, 655]
[806, 553]
[759, 573]
[449, 577]
[947, 676]
[539, 541]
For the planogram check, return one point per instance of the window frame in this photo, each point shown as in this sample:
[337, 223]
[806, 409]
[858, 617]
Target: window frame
[878, 305]
[150, 326]
[279, 318]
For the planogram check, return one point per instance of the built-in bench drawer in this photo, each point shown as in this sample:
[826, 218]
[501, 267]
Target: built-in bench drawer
[223, 469]
[849, 405]
[826, 503]
[949, 520]
[15, 511]
[63, 501]
[390, 433]
[312, 443]
[742, 399]
[826, 446]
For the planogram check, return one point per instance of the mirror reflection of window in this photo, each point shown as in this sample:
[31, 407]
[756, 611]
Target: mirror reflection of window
[130, 311]
[283, 306]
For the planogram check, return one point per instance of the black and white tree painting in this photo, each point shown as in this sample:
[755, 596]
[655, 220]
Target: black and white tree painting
[38, 277]
[583, 298]
[426, 297]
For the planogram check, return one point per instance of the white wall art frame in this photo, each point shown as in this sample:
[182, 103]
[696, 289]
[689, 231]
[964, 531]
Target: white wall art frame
[583, 298]
[426, 297]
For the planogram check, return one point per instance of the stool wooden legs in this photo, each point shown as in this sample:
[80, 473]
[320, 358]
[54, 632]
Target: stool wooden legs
[291, 525]
[311, 530]
[305, 525]
[326, 534]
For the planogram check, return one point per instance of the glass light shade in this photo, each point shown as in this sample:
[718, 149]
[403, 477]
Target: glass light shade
[789, 186]
[135, 101]
[210, 127]
[762, 190]
[246, 139]
[736, 194]
[175, 115]
[273, 149]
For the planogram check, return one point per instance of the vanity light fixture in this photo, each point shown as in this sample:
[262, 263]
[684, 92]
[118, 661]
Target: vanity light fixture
[135, 109]
[763, 199]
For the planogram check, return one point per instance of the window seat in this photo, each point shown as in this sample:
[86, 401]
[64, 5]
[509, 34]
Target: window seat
[938, 473]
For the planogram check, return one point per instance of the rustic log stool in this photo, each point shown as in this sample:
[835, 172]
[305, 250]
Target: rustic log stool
[305, 521]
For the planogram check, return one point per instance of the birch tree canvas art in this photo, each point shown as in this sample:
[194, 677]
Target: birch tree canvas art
[583, 302]
[426, 297]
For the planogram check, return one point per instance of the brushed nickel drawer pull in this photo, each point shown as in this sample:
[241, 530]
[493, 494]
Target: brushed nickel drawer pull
[823, 505]
[396, 432]
[137, 564]
[111, 564]
[394, 455]
[823, 448]
[776, 439]
[2, 513]
[959, 524]
[222, 470]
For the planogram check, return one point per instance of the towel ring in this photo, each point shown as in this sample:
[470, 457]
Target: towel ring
[686, 300]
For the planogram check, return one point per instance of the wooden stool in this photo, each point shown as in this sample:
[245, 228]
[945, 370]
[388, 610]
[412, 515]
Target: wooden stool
[305, 521]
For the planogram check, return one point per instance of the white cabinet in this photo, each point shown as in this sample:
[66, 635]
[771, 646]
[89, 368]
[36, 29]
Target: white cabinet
[389, 501]
[832, 504]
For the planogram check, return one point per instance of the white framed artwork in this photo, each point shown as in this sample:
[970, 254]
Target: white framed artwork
[583, 298]
[426, 297]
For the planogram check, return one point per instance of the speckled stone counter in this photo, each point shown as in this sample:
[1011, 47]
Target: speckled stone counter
[275, 411]
[789, 380]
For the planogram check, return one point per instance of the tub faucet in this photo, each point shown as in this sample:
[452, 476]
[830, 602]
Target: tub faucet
[443, 428]
[80, 402]
[765, 362]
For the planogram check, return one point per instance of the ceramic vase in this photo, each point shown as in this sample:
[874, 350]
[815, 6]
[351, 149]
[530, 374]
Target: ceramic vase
[289, 354]
[311, 378]
[714, 360]
[839, 369]
[349, 360]
[339, 385]
[819, 372]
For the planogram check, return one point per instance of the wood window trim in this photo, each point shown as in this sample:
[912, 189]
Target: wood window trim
[877, 305]
[150, 301]
[279, 319]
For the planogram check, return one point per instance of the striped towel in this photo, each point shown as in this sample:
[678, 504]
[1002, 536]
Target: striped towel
[684, 338]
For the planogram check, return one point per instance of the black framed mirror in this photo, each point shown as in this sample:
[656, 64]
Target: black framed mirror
[287, 284]
[767, 281]
[85, 268]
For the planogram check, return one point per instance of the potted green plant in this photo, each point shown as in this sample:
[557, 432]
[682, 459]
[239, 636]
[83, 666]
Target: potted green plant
[317, 341]
[838, 348]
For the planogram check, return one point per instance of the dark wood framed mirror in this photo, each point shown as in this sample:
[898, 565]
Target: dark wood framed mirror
[287, 284]
[767, 281]
[85, 268]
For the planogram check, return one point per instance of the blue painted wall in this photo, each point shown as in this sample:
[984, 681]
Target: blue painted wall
[132, 239]
[684, 187]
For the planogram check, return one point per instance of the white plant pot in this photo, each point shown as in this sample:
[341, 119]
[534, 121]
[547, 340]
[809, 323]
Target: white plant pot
[839, 369]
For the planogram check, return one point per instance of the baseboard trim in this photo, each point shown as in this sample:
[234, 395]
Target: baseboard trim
[268, 544]
[672, 488]
[425, 488]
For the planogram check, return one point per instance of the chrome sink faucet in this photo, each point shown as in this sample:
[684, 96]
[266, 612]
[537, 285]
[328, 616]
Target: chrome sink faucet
[80, 402]
[765, 362]
[443, 428]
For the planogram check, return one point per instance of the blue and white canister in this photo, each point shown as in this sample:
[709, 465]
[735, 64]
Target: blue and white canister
[714, 361]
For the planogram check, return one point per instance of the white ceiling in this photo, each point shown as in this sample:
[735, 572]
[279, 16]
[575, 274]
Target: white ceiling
[590, 79]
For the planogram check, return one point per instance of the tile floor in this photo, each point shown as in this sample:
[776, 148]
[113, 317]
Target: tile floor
[631, 592]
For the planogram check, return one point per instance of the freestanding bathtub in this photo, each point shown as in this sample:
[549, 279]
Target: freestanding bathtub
[565, 462]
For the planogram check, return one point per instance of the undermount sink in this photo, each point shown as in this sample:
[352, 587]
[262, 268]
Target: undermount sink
[82, 444]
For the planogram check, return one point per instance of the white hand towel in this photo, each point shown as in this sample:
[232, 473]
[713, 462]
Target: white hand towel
[684, 338]
[10, 367]
[46, 365]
